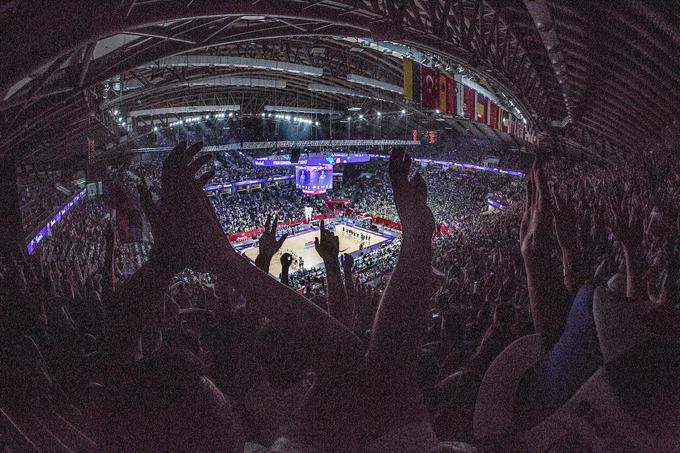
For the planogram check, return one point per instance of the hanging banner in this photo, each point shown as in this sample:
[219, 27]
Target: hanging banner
[429, 88]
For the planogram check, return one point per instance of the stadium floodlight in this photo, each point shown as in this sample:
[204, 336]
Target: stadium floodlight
[403, 111]
[378, 113]
[263, 115]
[436, 111]
[230, 114]
[115, 112]
[316, 123]
[155, 128]
[361, 117]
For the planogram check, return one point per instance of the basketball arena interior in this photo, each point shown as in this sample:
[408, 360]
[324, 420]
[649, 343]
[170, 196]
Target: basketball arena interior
[340, 226]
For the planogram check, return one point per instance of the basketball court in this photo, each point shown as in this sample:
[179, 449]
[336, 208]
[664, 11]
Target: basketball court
[302, 246]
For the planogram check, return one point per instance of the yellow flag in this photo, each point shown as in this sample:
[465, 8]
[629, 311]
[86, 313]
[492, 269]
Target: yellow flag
[408, 79]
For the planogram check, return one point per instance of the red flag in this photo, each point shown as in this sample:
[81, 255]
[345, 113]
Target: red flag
[493, 117]
[450, 95]
[469, 105]
[429, 87]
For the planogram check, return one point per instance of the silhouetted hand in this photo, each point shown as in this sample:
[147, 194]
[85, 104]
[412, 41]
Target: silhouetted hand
[328, 246]
[268, 244]
[286, 261]
[410, 197]
[548, 306]
[187, 232]
[347, 267]
[564, 218]
[626, 219]
[566, 229]
[536, 221]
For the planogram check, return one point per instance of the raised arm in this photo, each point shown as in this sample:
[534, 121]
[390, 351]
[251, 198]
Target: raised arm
[174, 249]
[109, 286]
[626, 218]
[286, 261]
[350, 290]
[564, 219]
[401, 319]
[327, 245]
[549, 305]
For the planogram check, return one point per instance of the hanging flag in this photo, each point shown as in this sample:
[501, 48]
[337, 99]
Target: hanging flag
[493, 115]
[442, 92]
[481, 108]
[417, 76]
[429, 88]
[408, 79]
[500, 118]
[469, 104]
[505, 121]
[450, 96]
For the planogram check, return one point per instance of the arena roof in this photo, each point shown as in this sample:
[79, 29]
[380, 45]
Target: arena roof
[600, 77]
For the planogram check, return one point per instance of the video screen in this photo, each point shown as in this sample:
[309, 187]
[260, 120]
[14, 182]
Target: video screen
[314, 179]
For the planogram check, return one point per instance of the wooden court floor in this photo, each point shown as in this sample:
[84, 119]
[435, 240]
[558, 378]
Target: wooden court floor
[303, 246]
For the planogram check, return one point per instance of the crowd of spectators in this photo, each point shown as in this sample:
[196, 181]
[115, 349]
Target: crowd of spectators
[39, 197]
[147, 356]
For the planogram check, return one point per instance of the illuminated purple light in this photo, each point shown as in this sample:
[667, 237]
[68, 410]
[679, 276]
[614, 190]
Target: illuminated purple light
[494, 203]
[31, 246]
[462, 165]
[211, 187]
[313, 160]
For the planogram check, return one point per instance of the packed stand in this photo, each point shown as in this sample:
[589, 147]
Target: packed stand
[583, 274]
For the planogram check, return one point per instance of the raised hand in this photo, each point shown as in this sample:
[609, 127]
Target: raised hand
[410, 197]
[268, 244]
[564, 219]
[546, 293]
[286, 261]
[187, 231]
[327, 245]
[350, 290]
[536, 221]
[626, 219]
[347, 268]
[566, 229]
